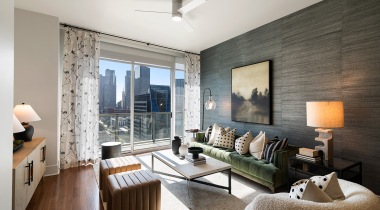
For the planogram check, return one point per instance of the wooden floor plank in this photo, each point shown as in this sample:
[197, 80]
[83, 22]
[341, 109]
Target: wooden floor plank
[72, 189]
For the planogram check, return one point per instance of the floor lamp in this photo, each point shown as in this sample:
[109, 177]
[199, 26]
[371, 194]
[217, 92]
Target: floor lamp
[210, 104]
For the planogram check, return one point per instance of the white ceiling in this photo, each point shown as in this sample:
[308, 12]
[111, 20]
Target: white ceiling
[214, 21]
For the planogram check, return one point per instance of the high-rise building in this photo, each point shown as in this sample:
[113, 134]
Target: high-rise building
[107, 91]
[179, 106]
[127, 93]
[142, 80]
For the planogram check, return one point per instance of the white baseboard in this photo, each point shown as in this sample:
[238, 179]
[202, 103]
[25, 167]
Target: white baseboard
[52, 170]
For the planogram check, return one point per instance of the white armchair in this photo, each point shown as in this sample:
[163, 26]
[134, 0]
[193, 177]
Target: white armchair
[357, 197]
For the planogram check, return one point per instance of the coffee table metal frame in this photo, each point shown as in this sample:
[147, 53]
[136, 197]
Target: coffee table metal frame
[190, 172]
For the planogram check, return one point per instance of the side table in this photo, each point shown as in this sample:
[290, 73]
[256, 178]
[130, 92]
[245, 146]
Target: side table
[111, 150]
[345, 169]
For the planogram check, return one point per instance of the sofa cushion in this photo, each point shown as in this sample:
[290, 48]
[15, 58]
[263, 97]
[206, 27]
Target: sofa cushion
[273, 146]
[225, 139]
[208, 133]
[256, 147]
[242, 143]
[329, 184]
[304, 189]
[251, 165]
[214, 132]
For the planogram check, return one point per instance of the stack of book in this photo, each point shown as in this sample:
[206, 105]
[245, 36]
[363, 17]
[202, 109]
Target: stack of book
[200, 160]
[309, 155]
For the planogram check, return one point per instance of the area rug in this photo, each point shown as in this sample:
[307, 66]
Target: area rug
[177, 194]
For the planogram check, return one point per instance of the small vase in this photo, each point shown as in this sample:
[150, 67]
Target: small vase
[183, 150]
[176, 143]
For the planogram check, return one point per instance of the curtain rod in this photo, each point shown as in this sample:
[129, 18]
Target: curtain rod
[120, 37]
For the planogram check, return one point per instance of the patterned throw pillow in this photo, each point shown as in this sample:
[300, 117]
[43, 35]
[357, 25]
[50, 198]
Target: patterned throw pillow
[242, 143]
[305, 189]
[208, 133]
[256, 147]
[225, 139]
[214, 132]
[272, 146]
[329, 184]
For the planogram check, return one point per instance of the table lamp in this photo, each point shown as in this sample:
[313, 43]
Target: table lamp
[325, 115]
[25, 114]
[17, 127]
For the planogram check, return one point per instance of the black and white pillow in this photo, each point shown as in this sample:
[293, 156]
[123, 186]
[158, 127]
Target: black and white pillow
[208, 133]
[242, 143]
[305, 189]
[273, 146]
[329, 184]
[225, 139]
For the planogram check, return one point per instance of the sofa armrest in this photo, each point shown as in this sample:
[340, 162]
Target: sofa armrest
[281, 160]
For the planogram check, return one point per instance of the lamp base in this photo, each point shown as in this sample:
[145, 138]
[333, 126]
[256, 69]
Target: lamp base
[25, 135]
[325, 136]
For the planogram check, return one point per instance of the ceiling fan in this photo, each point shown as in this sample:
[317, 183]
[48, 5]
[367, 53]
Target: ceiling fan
[180, 8]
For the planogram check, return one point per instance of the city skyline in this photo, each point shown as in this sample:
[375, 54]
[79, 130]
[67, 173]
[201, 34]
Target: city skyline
[159, 76]
[115, 80]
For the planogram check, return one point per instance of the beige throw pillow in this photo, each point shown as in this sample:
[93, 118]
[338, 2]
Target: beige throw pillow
[225, 139]
[257, 145]
[305, 189]
[330, 185]
[214, 132]
[242, 143]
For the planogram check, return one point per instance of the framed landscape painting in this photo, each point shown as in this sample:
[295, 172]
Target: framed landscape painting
[251, 93]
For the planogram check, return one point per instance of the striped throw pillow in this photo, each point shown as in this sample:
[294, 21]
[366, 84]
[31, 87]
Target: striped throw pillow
[208, 133]
[273, 146]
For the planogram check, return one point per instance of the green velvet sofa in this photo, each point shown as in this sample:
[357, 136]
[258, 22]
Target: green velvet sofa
[272, 175]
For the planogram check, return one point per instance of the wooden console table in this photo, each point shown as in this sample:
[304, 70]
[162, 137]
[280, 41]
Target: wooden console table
[28, 168]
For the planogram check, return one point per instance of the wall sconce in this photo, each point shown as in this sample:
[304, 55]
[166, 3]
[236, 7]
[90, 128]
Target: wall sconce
[324, 115]
[210, 104]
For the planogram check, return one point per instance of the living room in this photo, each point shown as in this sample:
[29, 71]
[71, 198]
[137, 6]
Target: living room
[317, 51]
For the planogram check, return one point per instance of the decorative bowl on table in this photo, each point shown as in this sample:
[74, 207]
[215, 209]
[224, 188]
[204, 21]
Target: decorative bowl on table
[195, 151]
[17, 144]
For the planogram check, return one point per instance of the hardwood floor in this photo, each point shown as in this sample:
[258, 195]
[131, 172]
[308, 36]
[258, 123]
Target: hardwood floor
[72, 189]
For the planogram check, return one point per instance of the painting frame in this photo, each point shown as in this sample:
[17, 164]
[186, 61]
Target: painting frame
[251, 93]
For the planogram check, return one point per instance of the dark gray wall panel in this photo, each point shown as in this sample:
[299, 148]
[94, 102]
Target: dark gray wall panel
[361, 85]
[329, 51]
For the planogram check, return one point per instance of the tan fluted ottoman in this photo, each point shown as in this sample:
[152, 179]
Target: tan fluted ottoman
[135, 190]
[113, 166]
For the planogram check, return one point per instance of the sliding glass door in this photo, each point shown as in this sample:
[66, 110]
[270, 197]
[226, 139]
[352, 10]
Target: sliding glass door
[135, 104]
[152, 107]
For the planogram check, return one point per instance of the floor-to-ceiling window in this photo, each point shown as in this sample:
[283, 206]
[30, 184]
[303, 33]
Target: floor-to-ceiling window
[140, 99]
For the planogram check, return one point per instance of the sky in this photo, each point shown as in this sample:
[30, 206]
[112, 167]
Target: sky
[158, 76]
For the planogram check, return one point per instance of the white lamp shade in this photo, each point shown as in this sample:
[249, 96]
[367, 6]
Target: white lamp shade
[325, 114]
[17, 127]
[210, 104]
[25, 113]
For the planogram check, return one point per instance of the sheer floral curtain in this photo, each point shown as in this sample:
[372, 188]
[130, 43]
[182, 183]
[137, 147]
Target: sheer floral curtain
[192, 93]
[80, 99]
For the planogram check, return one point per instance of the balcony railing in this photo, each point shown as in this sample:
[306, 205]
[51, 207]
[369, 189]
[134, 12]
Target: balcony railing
[150, 129]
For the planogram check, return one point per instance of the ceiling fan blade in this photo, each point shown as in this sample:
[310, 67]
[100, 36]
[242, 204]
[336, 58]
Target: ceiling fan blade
[190, 6]
[187, 25]
[136, 10]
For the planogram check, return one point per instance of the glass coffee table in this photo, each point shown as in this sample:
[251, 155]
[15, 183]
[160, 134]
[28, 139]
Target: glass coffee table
[190, 172]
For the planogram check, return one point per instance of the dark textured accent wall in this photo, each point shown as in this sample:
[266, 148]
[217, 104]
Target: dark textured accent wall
[328, 51]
